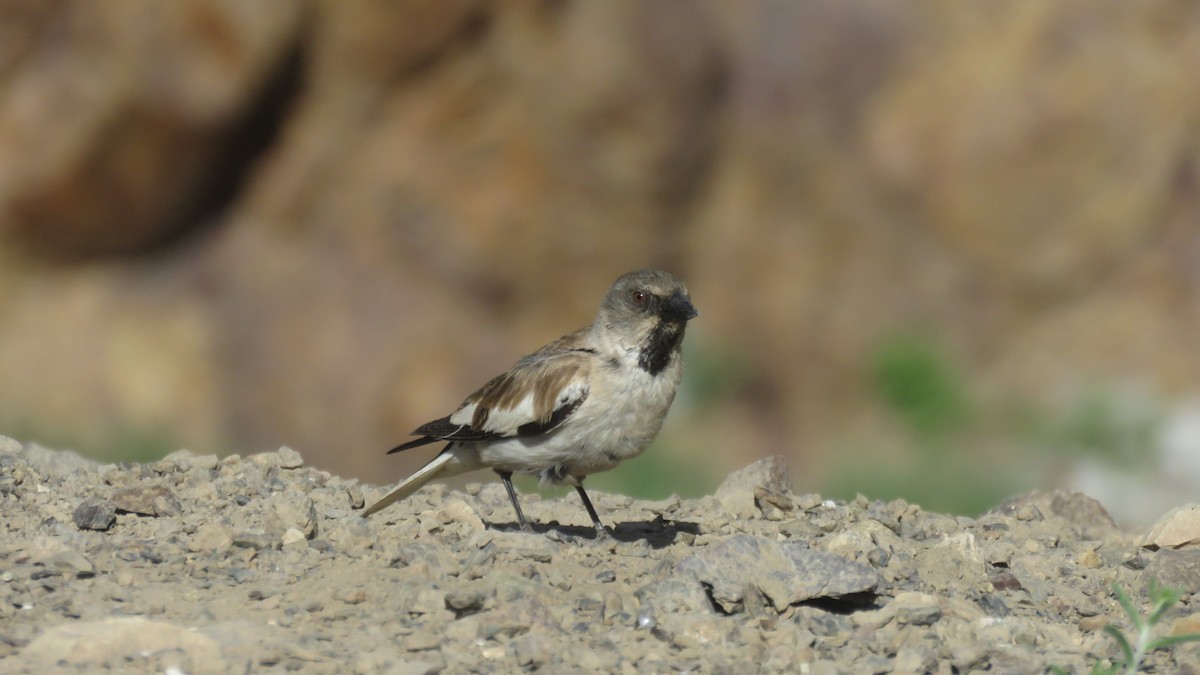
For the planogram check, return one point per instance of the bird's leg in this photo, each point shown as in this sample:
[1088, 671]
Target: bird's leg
[587, 504]
[506, 476]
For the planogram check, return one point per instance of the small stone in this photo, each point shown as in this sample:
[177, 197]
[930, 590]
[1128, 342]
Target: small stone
[422, 640]
[1090, 560]
[917, 609]
[71, 562]
[1177, 569]
[466, 599]
[799, 528]
[240, 575]
[695, 631]
[1136, 562]
[914, 660]
[1006, 581]
[808, 502]
[737, 493]
[428, 601]
[165, 465]
[456, 511]
[493, 653]
[204, 462]
[94, 514]
[252, 538]
[772, 503]
[283, 458]
[663, 506]
[1186, 625]
[292, 536]
[532, 650]
[1027, 513]
[151, 500]
[298, 513]
[211, 536]
[355, 493]
[673, 595]
[180, 460]
[354, 596]
[1090, 624]
[289, 458]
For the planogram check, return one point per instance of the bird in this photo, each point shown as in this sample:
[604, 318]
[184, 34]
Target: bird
[580, 405]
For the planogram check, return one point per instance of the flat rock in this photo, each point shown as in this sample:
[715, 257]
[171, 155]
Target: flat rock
[1076, 508]
[785, 573]
[116, 643]
[1179, 569]
[150, 500]
[1177, 528]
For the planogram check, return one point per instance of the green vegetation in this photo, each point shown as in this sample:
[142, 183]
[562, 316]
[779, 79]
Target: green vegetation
[1162, 598]
[941, 458]
[918, 383]
[1100, 425]
[118, 445]
[928, 396]
[713, 375]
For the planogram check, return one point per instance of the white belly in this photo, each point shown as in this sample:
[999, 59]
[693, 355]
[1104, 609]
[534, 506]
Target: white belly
[613, 424]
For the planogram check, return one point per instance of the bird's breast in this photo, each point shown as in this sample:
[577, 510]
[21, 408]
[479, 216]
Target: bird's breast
[620, 417]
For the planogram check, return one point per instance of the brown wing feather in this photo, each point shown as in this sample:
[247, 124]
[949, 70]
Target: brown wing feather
[546, 374]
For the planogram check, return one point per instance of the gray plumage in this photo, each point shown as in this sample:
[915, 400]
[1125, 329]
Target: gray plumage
[580, 405]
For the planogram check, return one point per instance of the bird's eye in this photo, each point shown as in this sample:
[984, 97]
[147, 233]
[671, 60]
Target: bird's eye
[639, 297]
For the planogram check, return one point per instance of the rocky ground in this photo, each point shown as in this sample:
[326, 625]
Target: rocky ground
[199, 564]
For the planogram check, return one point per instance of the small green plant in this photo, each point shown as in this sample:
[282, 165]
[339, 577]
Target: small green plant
[1162, 598]
[1109, 426]
[921, 386]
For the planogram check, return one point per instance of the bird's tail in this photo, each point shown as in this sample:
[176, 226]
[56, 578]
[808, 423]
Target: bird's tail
[413, 483]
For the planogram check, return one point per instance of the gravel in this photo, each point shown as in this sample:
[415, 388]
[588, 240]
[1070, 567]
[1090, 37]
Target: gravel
[194, 564]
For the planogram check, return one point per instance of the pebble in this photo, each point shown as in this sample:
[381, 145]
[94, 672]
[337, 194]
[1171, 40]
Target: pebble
[383, 595]
[94, 513]
[211, 536]
[71, 562]
[1178, 569]
[256, 538]
[149, 500]
[532, 650]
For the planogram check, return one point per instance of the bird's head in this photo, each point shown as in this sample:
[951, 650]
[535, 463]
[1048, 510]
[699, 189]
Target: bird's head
[645, 303]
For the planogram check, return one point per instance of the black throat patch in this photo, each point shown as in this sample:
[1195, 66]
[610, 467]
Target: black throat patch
[660, 346]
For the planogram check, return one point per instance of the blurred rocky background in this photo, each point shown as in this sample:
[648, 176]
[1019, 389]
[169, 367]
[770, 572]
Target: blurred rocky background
[942, 250]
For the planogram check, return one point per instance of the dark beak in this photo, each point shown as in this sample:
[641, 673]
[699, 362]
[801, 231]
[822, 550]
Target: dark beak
[678, 307]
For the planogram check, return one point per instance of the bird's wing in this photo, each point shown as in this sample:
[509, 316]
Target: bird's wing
[533, 398]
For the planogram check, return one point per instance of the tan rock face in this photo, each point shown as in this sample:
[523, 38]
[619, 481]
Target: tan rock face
[116, 118]
[390, 202]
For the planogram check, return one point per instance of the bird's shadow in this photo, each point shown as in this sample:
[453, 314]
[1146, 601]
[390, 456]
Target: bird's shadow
[659, 532]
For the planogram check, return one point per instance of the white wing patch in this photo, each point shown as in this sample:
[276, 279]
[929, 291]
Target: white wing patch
[463, 415]
[508, 421]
